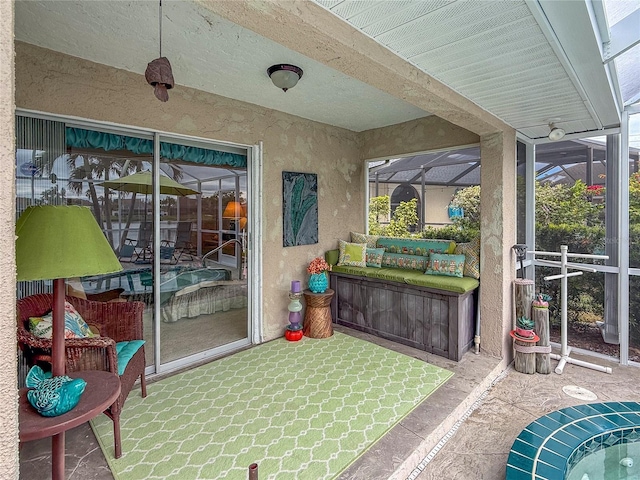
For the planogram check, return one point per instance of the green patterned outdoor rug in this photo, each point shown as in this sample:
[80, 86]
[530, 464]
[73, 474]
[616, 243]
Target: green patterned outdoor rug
[301, 410]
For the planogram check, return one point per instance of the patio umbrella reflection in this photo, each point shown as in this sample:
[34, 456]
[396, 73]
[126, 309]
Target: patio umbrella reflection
[142, 182]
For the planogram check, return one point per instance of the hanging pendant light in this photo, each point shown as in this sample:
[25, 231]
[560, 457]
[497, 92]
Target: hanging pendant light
[158, 73]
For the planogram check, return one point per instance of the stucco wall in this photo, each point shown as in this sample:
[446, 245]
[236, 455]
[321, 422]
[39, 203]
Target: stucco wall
[8, 379]
[421, 135]
[84, 89]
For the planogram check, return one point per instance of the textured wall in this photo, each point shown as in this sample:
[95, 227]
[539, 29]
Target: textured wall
[89, 90]
[415, 136]
[8, 379]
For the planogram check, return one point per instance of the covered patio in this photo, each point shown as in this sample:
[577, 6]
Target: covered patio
[381, 80]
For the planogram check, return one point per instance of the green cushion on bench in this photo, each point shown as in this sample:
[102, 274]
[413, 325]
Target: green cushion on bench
[413, 277]
[451, 284]
[359, 271]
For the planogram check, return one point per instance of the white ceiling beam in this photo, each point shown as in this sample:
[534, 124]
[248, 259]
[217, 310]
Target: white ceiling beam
[624, 35]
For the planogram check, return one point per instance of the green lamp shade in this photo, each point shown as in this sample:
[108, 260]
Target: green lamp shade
[61, 241]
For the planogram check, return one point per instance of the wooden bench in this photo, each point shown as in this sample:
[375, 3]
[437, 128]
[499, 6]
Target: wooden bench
[436, 321]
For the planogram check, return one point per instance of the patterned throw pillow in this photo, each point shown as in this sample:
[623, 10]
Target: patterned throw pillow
[374, 257]
[352, 254]
[416, 246]
[444, 264]
[370, 240]
[74, 324]
[405, 262]
[471, 252]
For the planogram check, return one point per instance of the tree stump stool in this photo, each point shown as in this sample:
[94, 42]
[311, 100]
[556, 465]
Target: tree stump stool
[525, 357]
[317, 316]
[541, 317]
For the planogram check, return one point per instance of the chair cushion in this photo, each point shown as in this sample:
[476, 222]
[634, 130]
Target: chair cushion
[126, 350]
[74, 324]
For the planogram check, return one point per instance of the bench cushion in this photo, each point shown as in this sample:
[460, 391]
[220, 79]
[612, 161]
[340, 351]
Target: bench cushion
[413, 277]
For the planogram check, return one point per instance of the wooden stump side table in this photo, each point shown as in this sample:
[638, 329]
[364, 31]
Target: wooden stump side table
[317, 316]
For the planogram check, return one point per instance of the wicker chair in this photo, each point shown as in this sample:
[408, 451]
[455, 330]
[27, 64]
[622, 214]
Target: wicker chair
[115, 321]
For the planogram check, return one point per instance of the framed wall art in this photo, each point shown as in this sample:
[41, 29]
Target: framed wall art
[300, 208]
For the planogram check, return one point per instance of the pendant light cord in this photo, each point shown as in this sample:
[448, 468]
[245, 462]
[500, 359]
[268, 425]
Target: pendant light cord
[160, 22]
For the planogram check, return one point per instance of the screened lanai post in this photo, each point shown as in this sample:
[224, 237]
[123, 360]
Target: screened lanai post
[610, 333]
[623, 277]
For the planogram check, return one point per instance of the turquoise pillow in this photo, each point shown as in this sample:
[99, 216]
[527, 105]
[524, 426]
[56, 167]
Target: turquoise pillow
[443, 264]
[374, 257]
[415, 246]
[406, 262]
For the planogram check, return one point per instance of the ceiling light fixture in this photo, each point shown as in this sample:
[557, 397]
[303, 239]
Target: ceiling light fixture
[158, 73]
[556, 133]
[284, 76]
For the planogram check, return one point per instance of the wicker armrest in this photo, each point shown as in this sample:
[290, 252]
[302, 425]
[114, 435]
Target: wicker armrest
[98, 352]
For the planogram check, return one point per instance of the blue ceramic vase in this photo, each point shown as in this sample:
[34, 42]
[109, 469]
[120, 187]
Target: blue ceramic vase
[318, 282]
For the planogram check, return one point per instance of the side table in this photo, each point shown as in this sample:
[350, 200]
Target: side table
[317, 316]
[103, 388]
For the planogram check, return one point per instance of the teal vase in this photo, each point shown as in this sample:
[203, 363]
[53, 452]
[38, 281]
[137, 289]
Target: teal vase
[318, 282]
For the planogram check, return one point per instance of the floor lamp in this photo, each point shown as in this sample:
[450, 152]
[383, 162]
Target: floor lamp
[54, 243]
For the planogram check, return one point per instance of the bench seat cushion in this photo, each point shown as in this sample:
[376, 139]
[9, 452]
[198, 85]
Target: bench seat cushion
[413, 277]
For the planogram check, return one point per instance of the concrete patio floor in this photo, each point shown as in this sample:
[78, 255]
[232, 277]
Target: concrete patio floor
[498, 407]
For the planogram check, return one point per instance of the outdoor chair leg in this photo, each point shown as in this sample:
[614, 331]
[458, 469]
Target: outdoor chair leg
[116, 436]
[143, 385]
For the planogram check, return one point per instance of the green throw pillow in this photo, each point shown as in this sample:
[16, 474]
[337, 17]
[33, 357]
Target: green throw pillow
[374, 257]
[352, 254]
[444, 264]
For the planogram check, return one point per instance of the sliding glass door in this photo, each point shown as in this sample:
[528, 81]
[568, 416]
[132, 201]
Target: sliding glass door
[175, 212]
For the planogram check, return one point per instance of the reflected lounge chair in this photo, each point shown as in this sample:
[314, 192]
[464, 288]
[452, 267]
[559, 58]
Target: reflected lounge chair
[134, 248]
[183, 242]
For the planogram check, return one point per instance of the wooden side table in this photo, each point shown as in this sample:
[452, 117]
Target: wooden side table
[103, 388]
[317, 316]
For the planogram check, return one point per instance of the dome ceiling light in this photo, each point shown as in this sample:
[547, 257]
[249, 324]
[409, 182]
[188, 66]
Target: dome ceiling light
[284, 76]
